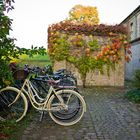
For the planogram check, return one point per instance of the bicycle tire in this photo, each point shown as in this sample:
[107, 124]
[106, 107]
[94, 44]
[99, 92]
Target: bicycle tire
[64, 115]
[74, 112]
[17, 110]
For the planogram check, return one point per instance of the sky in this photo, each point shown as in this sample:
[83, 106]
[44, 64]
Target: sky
[31, 18]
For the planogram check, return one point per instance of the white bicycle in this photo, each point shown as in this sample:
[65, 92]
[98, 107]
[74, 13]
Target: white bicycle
[66, 107]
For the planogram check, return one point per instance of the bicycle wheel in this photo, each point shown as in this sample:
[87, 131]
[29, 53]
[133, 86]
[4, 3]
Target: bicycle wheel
[70, 111]
[13, 105]
[64, 114]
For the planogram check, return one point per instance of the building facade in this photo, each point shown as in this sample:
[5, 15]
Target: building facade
[132, 22]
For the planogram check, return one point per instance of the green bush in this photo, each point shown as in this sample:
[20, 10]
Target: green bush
[136, 81]
[8, 49]
[133, 95]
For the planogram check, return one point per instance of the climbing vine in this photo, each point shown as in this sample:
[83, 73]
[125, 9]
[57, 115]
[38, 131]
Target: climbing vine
[88, 47]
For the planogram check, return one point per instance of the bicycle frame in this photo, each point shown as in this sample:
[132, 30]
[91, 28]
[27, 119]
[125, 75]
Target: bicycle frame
[31, 93]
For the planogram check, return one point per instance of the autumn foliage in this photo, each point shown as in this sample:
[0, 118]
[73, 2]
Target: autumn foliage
[84, 14]
[73, 37]
[89, 46]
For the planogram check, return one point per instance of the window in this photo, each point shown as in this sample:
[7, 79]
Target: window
[132, 30]
[138, 26]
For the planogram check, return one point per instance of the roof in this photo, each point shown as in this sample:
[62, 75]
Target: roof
[131, 15]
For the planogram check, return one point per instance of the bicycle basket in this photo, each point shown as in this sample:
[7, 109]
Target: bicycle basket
[20, 75]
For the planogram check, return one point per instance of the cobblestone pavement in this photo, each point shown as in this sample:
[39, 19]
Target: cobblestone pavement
[109, 117]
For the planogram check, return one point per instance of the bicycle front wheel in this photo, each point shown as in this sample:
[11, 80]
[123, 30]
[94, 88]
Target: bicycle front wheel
[13, 104]
[70, 111]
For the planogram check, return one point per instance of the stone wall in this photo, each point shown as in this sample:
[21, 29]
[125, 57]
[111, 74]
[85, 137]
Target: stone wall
[116, 78]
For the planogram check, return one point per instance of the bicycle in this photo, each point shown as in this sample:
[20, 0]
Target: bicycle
[66, 107]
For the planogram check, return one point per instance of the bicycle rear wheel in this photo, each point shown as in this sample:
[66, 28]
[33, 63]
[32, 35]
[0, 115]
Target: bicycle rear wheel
[71, 111]
[13, 106]
[74, 107]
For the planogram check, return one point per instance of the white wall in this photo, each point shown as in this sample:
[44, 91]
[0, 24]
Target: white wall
[134, 63]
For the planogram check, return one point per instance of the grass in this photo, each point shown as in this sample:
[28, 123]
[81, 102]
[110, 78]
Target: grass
[9, 130]
[36, 60]
[31, 63]
[36, 57]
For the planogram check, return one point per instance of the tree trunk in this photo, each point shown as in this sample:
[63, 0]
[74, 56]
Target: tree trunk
[84, 81]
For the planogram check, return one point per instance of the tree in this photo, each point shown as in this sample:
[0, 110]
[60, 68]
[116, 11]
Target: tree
[81, 14]
[8, 49]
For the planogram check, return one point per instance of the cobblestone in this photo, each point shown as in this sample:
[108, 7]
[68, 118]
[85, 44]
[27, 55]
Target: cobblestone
[109, 117]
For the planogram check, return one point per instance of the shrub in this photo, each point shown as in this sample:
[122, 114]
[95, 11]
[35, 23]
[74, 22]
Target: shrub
[133, 95]
[8, 49]
[136, 81]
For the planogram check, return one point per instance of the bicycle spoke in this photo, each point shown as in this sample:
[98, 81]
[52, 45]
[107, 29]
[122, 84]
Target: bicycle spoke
[72, 109]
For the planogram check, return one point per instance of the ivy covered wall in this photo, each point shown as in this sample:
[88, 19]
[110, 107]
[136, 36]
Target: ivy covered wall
[93, 52]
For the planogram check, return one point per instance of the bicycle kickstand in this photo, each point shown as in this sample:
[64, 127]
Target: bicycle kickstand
[41, 116]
